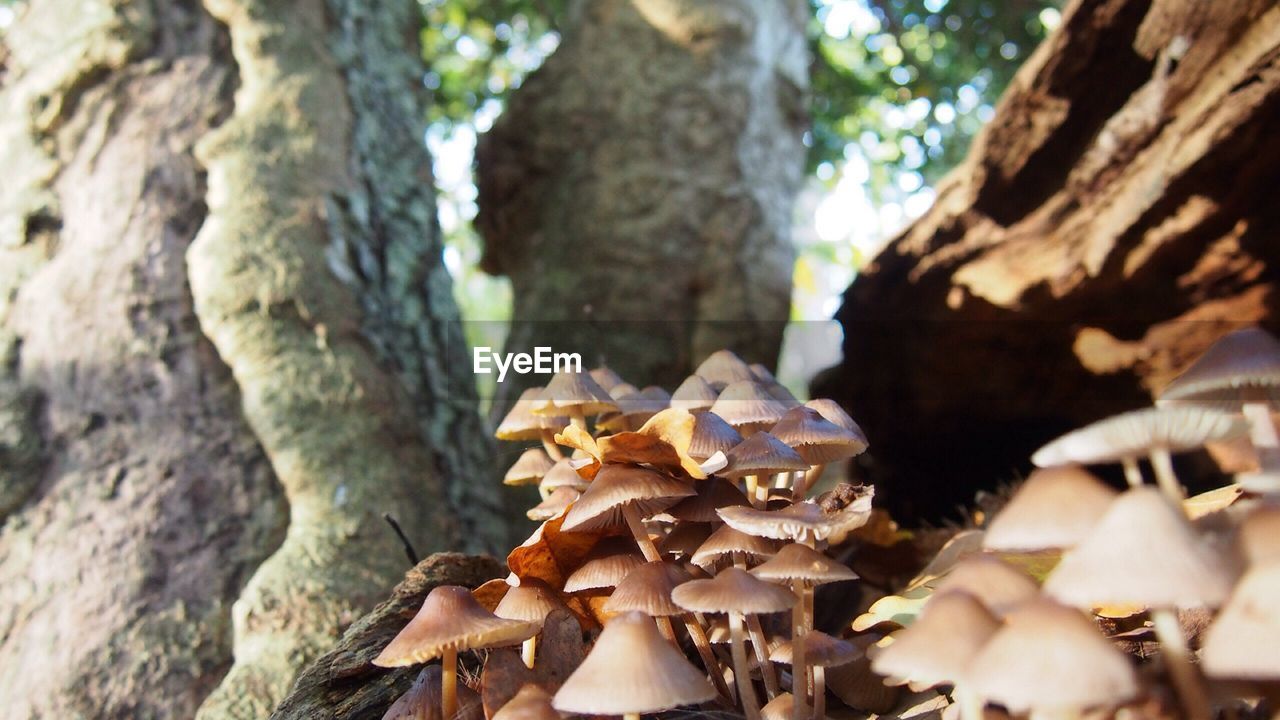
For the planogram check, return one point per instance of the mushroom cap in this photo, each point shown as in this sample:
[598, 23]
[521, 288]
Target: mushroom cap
[781, 393]
[529, 468]
[632, 669]
[606, 378]
[1054, 508]
[531, 703]
[562, 475]
[606, 567]
[733, 590]
[573, 390]
[422, 700]
[521, 423]
[748, 406]
[635, 407]
[1001, 587]
[1136, 433]
[722, 368]
[820, 650]
[451, 619]
[556, 503]
[779, 708]
[616, 485]
[833, 413]
[762, 454]
[802, 520]
[816, 439]
[647, 589]
[1143, 551]
[1247, 359]
[802, 563]
[694, 394]
[762, 373]
[726, 541]
[531, 601]
[713, 494]
[937, 648]
[1244, 641]
[1258, 536]
[1050, 657]
[711, 434]
[684, 539]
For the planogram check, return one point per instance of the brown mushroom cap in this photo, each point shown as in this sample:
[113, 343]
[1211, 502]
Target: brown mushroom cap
[1244, 641]
[800, 520]
[796, 562]
[1001, 587]
[937, 648]
[632, 669]
[570, 391]
[1084, 669]
[762, 454]
[831, 410]
[712, 494]
[1243, 360]
[606, 378]
[1054, 508]
[530, 601]
[694, 394]
[816, 439]
[1135, 433]
[422, 700]
[529, 468]
[451, 619]
[521, 423]
[615, 485]
[726, 541]
[556, 503]
[684, 539]
[647, 589]
[609, 562]
[748, 407]
[562, 475]
[762, 373]
[733, 590]
[711, 434]
[779, 708]
[722, 368]
[531, 703]
[1143, 551]
[635, 407]
[820, 650]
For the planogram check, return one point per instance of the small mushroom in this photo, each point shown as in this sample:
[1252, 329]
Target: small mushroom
[727, 542]
[606, 565]
[723, 368]
[554, 505]
[804, 522]
[757, 459]
[1001, 587]
[522, 424]
[422, 700]
[623, 495]
[606, 378]
[711, 435]
[695, 394]
[821, 652]
[530, 703]
[748, 407]
[818, 440]
[529, 468]
[576, 395]
[530, 601]
[632, 670]
[1244, 641]
[1054, 509]
[561, 475]
[713, 493]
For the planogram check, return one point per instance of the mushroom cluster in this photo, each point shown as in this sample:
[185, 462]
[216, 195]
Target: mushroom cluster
[677, 531]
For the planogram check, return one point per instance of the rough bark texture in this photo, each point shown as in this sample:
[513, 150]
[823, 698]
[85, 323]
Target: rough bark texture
[343, 684]
[210, 393]
[1115, 217]
[647, 173]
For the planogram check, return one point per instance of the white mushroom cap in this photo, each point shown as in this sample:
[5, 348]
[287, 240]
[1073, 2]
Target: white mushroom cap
[1136, 433]
[1054, 508]
[1238, 362]
[1244, 642]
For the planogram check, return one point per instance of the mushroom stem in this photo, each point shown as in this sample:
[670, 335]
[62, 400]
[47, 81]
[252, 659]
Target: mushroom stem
[1162, 465]
[700, 641]
[576, 417]
[668, 632]
[746, 690]
[810, 479]
[799, 673]
[631, 716]
[1263, 435]
[549, 444]
[971, 704]
[761, 646]
[529, 651]
[819, 693]
[1186, 681]
[1132, 473]
[642, 536]
[449, 684]
[753, 483]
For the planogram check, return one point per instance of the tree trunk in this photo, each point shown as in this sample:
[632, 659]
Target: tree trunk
[638, 189]
[1115, 217]
[227, 346]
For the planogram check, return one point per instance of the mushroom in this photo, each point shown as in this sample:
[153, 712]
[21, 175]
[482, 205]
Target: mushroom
[529, 468]
[647, 589]
[625, 495]
[821, 652]
[779, 708]
[804, 568]
[1001, 587]
[606, 378]
[561, 475]
[818, 440]
[695, 394]
[1258, 537]
[1144, 551]
[554, 505]
[938, 647]
[684, 539]
[726, 542]
[1055, 508]
[606, 565]
[635, 407]
[576, 395]
[736, 593]
[1244, 641]
[1241, 369]
[632, 670]
[712, 494]
[422, 699]
[748, 407]
[804, 522]
[1083, 670]
[1154, 432]
[451, 620]
[522, 424]
[758, 458]
[722, 368]
[530, 703]
[530, 601]
[832, 412]
[711, 434]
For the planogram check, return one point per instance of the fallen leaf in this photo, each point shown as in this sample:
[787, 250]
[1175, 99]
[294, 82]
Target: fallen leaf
[560, 651]
[662, 441]
[579, 439]
[550, 555]
[491, 593]
[1211, 501]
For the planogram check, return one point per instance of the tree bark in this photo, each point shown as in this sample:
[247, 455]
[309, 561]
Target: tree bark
[1114, 218]
[638, 188]
[227, 346]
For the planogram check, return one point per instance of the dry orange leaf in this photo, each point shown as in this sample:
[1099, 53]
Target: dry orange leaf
[662, 441]
[560, 651]
[491, 593]
[579, 439]
[550, 555]
[1211, 501]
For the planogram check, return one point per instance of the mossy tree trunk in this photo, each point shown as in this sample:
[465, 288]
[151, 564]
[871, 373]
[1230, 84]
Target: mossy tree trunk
[227, 346]
[647, 173]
